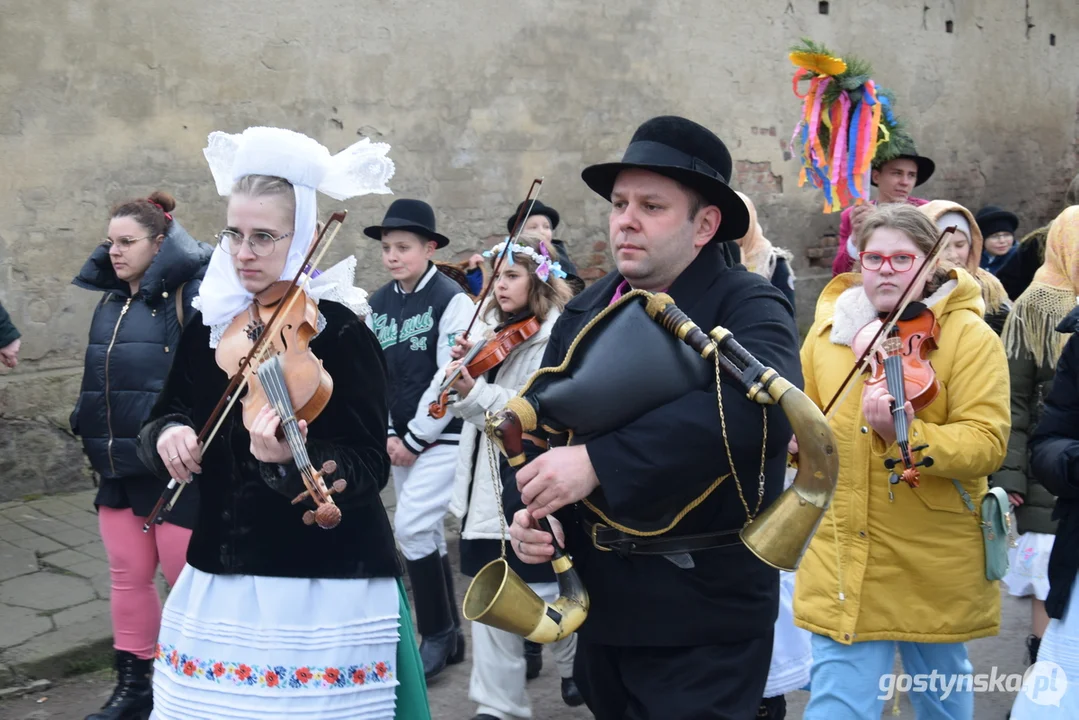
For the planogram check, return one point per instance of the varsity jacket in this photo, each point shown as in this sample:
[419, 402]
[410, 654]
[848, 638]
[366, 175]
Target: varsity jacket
[416, 331]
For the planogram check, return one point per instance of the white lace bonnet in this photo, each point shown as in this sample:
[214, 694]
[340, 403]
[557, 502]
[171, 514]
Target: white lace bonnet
[359, 169]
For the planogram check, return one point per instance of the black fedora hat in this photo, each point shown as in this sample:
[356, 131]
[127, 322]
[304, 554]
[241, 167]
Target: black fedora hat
[684, 151]
[412, 215]
[537, 209]
[992, 219]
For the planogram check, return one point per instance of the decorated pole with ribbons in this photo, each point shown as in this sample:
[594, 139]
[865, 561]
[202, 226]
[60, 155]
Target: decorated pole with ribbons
[846, 125]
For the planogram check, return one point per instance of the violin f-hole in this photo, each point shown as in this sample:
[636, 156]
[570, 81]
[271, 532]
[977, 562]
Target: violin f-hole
[281, 335]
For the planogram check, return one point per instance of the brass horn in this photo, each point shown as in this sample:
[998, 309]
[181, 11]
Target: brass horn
[498, 597]
[780, 535]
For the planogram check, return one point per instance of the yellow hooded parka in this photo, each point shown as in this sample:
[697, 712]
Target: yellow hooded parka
[910, 568]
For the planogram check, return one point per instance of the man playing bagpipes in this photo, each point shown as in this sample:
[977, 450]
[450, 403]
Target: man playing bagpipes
[681, 613]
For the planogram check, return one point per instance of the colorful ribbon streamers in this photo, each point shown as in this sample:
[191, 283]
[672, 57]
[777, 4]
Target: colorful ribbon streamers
[838, 136]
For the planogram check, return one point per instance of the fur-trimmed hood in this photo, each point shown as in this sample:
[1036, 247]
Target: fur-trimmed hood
[993, 293]
[844, 308]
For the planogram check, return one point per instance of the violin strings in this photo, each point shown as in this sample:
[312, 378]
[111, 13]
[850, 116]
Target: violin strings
[283, 405]
[277, 393]
[893, 371]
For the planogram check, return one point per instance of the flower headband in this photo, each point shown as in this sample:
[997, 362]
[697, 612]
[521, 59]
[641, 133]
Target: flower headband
[544, 267]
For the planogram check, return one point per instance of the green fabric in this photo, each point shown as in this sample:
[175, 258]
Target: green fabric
[1030, 384]
[8, 333]
[412, 701]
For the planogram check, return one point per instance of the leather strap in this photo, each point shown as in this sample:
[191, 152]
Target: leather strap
[608, 539]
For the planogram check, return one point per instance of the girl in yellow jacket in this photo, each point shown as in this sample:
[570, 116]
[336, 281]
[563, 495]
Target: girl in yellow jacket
[893, 564]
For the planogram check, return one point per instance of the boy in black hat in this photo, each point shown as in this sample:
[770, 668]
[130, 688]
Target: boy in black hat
[894, 179]
[678, 631]
[417, 316]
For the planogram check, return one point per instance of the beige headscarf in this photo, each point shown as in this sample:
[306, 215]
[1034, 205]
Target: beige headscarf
[1050, 296]
[758, 254]
[993, 293]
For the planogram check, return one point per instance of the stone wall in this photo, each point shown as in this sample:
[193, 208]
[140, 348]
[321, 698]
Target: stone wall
[106, 99]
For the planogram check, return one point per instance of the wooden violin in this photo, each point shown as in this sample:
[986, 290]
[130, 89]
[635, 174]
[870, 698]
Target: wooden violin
[485, 357]
[286, 375]
[902, 362]
[265, 351]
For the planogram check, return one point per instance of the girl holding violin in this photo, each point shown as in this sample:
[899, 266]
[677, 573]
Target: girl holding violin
[287, 607]
[527, 298]
[898, 558]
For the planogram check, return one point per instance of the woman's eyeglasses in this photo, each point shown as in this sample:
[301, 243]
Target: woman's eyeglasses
[261, 243]
[900, 262]
[123, 242]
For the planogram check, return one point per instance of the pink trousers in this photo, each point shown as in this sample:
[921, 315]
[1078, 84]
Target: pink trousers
[133, 560]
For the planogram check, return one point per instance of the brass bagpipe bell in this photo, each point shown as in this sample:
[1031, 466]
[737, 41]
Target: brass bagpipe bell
[586, 395]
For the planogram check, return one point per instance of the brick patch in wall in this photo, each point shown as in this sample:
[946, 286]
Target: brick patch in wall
[821, 252]
[757, 178]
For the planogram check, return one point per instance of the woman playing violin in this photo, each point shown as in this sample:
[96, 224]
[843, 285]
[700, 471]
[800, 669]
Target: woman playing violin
[272, 617]
[902, 563]
[529, 286]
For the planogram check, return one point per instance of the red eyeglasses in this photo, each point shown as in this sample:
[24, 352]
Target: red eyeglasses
[899, 262]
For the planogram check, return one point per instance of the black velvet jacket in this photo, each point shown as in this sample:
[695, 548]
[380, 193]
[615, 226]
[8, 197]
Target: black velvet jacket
[1054, 458]
[246, 524]
[652, 467]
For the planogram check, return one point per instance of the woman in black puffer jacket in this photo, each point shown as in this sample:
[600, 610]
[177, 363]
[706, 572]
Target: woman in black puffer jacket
[148, 271]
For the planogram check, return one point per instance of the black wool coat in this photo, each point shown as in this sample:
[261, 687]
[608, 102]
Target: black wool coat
[1054, 458]
[246, 522]
[131, 345]
[653, 467]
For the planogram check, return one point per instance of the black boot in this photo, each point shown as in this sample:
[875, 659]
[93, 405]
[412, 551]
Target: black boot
[570, 694]
[773, 708]
[1033, 643]
[459, 654]
[533, 659]
[434, 619]
[133, 697]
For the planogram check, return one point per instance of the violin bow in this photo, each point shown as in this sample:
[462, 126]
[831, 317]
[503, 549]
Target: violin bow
[515, 233]
[886, 326]
[238, 380]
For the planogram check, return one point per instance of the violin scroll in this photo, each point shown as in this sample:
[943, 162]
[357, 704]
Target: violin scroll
[328, 515]
[909, 475]
[437, 409]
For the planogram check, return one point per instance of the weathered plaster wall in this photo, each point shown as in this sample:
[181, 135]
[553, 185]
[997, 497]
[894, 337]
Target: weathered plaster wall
[104, 99]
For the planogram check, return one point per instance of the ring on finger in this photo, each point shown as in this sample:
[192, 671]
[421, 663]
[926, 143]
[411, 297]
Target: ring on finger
[173, 457]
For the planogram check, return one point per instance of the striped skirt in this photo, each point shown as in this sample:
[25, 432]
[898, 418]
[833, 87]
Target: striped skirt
[268, 648]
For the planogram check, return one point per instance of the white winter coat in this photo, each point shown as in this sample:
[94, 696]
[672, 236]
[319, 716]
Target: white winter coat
[480, 503]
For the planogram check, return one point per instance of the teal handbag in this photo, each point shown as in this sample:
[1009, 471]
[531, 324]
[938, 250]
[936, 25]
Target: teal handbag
[996, 526]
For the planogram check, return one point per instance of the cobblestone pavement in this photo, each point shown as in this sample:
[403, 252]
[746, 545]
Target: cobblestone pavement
[54, 586]
[54, 620]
